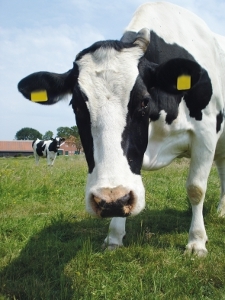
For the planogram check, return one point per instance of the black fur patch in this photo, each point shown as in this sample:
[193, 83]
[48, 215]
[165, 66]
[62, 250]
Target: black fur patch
[56, 85]
[219, 121]
[84, 125]
[159, 52]
[40, 148]
[135, 136]
[53, 146]
[113, 44]
[199, 96]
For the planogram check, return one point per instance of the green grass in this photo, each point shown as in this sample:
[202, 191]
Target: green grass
[50, 248]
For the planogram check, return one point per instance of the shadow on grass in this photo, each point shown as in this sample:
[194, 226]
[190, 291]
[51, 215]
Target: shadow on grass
[39, 270]
[157, 227]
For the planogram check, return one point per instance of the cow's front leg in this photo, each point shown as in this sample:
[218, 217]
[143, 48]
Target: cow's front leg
[201, 163]
[50, 159]
[116, 233]
[37, 159]
[197, 234]
[220, 163]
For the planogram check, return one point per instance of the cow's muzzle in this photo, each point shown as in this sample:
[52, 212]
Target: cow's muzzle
[114, 202]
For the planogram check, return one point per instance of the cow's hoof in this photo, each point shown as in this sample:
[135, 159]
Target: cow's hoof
[221, 213]
[221, 208]
[192, 249]
[110, 247]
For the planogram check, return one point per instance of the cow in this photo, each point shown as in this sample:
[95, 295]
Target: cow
[156, 94]
[48, 149]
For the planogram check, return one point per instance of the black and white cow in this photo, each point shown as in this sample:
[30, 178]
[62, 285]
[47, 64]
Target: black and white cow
[157, 94]
[47, 149]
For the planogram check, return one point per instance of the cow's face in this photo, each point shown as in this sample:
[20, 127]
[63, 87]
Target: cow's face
[59, 141]
[111, 114]
[56, 142]
[111, 83]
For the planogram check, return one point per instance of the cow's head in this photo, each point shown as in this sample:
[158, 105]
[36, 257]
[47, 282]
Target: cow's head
[110, 85]
[58, 141]
[55, 143]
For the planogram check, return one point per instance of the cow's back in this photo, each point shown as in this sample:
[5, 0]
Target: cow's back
[220, 42]
[175, 25]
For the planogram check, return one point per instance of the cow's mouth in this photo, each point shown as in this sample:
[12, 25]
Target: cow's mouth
[108, 205]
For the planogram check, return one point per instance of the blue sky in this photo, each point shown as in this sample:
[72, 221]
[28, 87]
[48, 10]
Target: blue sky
[42, 35]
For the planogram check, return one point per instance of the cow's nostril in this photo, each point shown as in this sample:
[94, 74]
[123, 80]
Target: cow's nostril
[99, 202]
[124, 200]
[113, 207]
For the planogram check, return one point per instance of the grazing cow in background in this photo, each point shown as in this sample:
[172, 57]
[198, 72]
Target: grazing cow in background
[47, 149]
[157, 94]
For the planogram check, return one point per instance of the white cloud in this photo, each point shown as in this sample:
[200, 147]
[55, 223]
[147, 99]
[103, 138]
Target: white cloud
[24, 51]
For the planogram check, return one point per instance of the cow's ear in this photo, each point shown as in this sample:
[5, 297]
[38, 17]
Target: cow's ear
[177, 75]
[48, 88]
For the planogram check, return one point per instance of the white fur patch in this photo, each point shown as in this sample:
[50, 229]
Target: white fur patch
[107, 78]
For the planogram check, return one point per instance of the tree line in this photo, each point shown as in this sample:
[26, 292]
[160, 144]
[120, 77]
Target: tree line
[71, 135]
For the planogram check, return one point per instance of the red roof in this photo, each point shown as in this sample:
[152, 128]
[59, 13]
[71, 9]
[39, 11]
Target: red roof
[23, 146]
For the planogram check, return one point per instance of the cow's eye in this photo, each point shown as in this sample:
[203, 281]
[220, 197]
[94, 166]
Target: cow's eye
[144, 103]
[77, 110]
[144, 106]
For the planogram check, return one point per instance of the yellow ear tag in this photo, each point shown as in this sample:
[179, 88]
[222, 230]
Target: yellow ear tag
[184, 82]
[40, 96]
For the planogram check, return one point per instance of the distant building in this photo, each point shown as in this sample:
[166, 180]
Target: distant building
[15, 148]
[68, 148]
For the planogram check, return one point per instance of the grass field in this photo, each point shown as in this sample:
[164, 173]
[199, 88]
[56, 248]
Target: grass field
[51, 249]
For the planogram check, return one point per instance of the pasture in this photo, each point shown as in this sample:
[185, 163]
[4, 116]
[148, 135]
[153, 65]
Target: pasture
[50, 248]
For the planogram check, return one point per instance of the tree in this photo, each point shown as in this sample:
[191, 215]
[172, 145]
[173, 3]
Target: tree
[48, 135]
[78, 143]
[27, 133]
[75, 134]
[71, 135]
[74, 131]
[64, 132]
